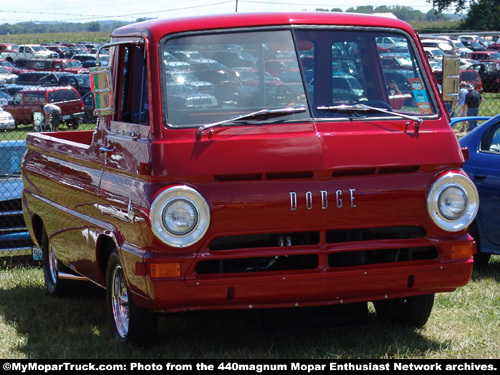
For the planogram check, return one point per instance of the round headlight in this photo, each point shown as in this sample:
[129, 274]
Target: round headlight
[453, 202]
[179, 216]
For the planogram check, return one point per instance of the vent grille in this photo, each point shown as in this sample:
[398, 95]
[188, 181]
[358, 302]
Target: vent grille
[287, 245]
[309, 174]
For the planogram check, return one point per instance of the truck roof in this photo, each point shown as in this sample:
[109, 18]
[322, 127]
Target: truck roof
[156, 29]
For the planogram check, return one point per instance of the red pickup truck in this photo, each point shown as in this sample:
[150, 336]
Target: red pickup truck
[291, 191]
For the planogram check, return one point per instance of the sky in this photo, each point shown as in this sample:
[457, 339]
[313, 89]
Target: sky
[130, 10]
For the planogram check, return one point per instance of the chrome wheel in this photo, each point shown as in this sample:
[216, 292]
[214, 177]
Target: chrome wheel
[119, 302]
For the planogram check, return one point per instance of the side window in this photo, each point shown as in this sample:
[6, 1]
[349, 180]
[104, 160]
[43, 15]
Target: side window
[54, 96]
[35, 97]
[403, 79]
[491, 143]
[69, 95]
[18, 99]
[133, 98]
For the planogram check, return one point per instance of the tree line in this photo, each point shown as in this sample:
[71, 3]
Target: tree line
[482, 15]
[58, 27]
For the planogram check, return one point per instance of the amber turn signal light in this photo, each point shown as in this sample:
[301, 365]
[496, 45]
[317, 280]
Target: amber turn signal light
[165, 270]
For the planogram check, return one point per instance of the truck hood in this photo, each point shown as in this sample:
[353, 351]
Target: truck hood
[309, 148]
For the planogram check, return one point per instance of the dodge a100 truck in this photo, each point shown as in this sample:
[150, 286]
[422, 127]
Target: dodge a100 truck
[305, 176]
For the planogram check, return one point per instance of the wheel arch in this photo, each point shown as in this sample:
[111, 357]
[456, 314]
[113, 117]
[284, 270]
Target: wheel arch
[105, 246]
[38, 228]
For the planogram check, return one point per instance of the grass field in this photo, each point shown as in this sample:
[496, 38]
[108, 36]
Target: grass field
[464, 324]
[97, 37]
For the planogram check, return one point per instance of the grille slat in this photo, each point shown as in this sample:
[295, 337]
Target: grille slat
[287, 248]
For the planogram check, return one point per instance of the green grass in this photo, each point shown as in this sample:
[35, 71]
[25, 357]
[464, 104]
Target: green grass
[23, 129]
[464, 324]
[490, 105]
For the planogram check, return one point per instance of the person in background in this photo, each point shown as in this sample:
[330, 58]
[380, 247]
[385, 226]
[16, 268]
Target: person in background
[462, 108]
[473, 100]
[393, 88]
[52, 114]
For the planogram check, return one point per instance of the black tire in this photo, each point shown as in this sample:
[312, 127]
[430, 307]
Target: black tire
[409, 311]
[129, 322]
[54, 285]
[480, 259]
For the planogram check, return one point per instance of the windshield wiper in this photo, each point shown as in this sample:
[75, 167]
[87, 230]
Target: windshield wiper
[262, 114]
[364, 107]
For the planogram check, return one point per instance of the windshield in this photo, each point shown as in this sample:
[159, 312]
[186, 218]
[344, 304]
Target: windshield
[308, 68]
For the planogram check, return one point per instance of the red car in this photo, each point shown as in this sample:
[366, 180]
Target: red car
[319, 192]
[58, 65]
[28, 101]
[468, 76]
[486, 56]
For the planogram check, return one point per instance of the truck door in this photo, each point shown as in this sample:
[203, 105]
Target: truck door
[127, 139]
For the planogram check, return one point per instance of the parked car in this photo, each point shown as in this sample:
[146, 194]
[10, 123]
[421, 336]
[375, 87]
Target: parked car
[8, 47]
[11, 68]
[88, 103]
[6, 122]
[490, 75]
[190, 56]
[29, 51]
[173, 64]
[461, 48]
[434, 53]
[14, 237]
[469, 76]
[30, 78]
[88, 60]
[4, 98]
[393, 44]
[56, 65]
[6, 76]
[444, 45]
[486, 56]
[79, 81]
[235, 59]
[28, 101]
[494, 46]
[188, 78]
[483, 145]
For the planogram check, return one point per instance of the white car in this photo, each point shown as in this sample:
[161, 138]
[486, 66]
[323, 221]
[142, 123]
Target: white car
[6, 120]
[6, 76]
[434, 53]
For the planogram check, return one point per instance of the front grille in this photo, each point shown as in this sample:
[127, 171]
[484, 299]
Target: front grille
[14, 237]
[199, 102]
[311, 247]
[11, 215]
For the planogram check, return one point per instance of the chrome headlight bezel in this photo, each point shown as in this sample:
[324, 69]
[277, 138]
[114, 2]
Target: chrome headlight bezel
[193, 202]
[436, 196]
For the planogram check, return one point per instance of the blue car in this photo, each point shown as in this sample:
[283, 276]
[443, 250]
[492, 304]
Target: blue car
[14, 237]
[483, 167]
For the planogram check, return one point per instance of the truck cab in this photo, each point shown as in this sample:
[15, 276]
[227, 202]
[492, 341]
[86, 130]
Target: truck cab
[287, 190]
